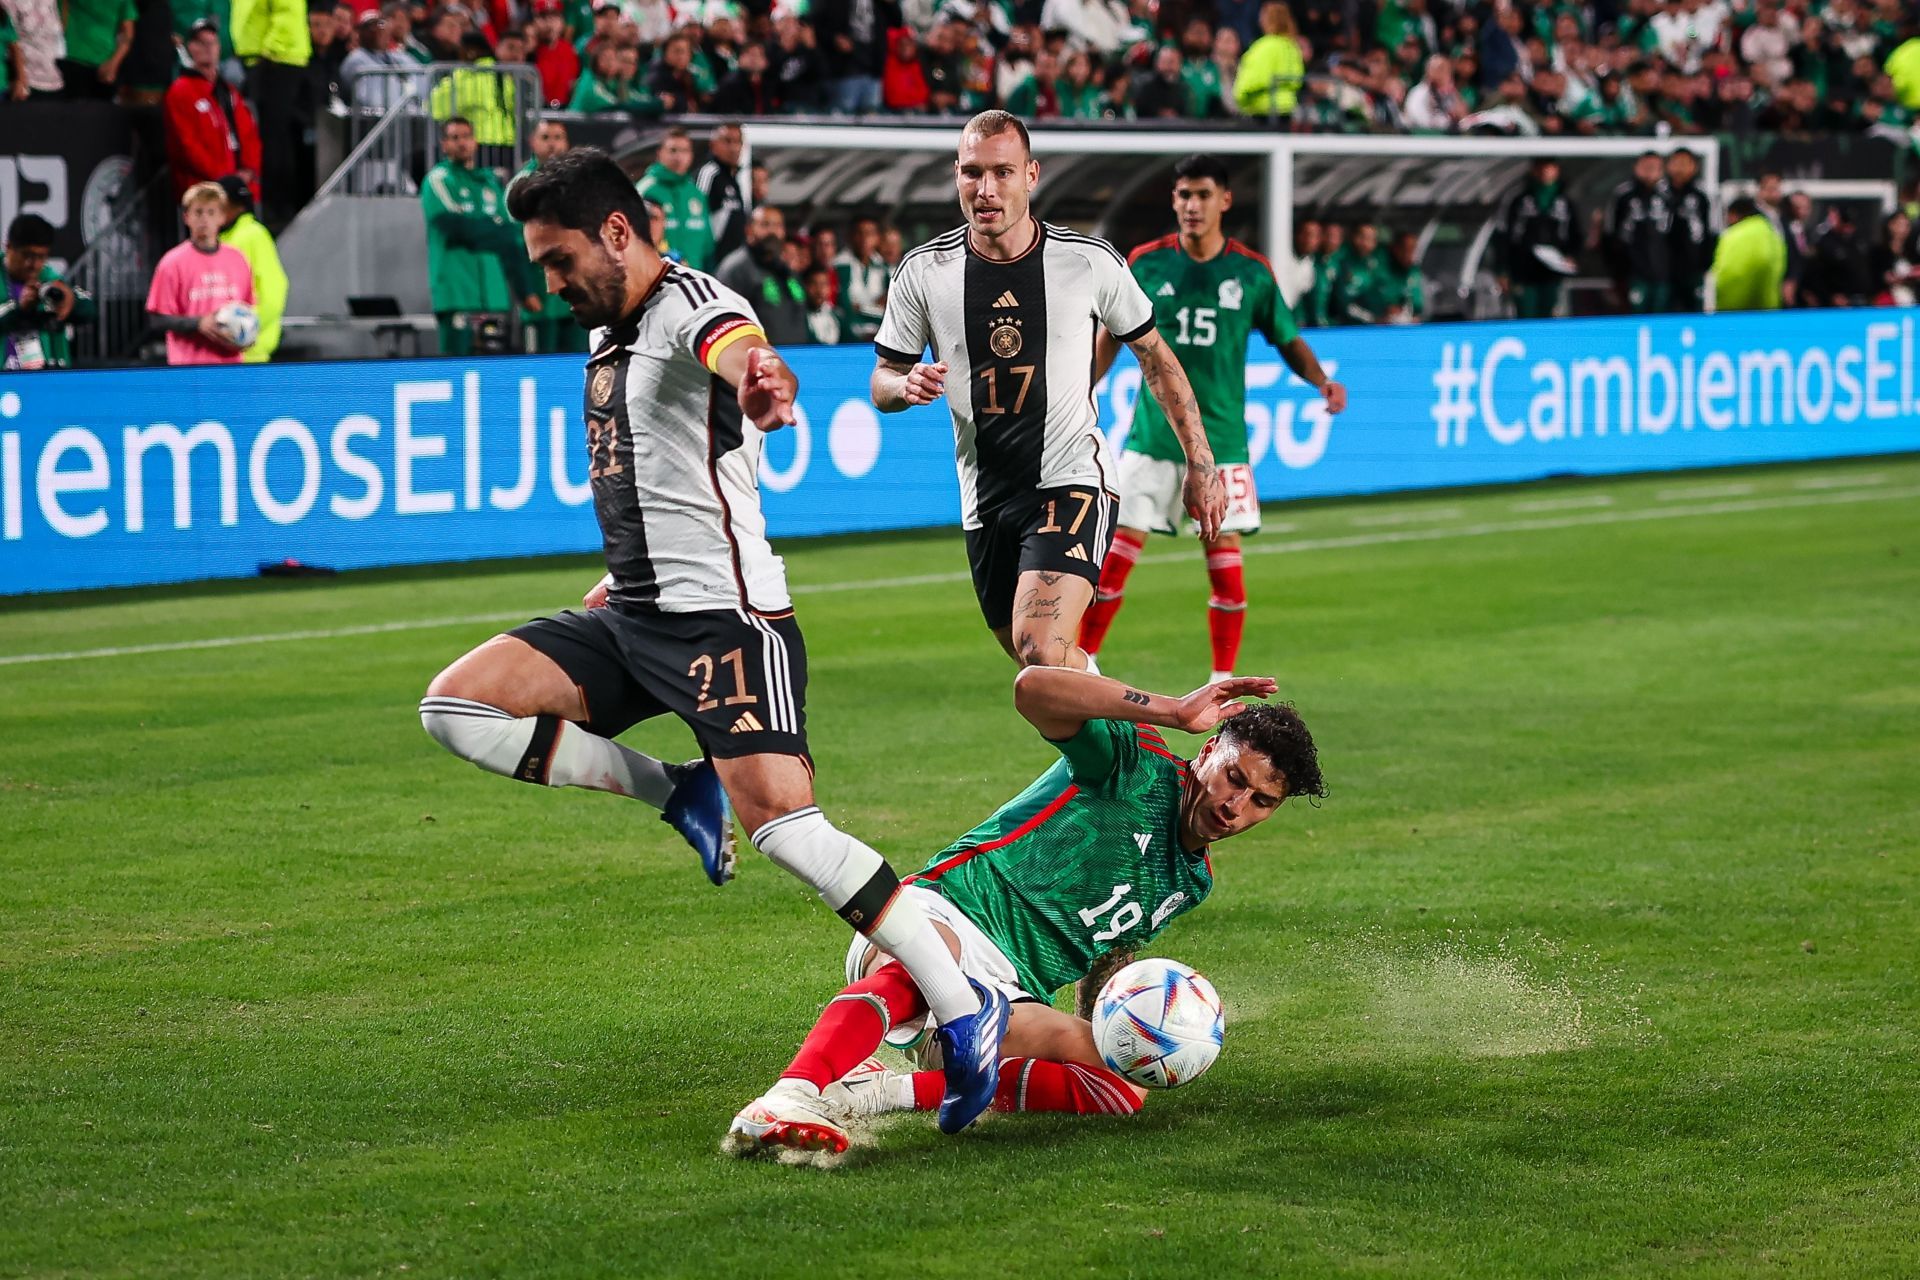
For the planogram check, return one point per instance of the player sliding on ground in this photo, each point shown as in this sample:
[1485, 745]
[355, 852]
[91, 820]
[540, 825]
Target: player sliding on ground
[1005, 302]
[1098, 855]
[1210, 294]
[680, 388]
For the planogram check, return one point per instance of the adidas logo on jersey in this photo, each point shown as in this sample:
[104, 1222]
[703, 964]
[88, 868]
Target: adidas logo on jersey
[1166, 290]
[747, 723]
[1076, 552]
[1142, 839]
[1006, 300]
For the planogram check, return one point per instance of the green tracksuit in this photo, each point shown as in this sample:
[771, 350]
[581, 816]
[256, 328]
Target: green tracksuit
[476, 261]
[689, 230]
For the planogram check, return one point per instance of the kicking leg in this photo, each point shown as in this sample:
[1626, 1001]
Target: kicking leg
[1051, 1064]
[774, 796]
[511, 710]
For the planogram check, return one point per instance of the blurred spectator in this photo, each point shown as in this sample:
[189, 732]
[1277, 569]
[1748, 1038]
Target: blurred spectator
[669, 184]
[1798, 233]
[862, 279]
[1903, 67]
[1401, 296]
[798, 68]
[99, 33]
[552, 328]
[1892, 262]
[610, 85]
[41, 43]
[1435, 105]
[153, 59]
[759, 272]
[13, 63]
[605, 30]
[195, 279]
[671, 78]
[1358, 278]
[1837, 274]
[749, 89]
[399, 16]
[1638, 237]
[1316, 305]
[798, 257]
[1162, 92]
[1503, 50]
[368, 76]
[893, 246]
[553, 54]
[476, 261]
[1537, 241]
[1104, 26]
[1690, 253]
[1225, 61]
[652, 20]
[39, 308]
[657, 230]
[823, 318]
[1749, 262]
[903, 80]
[719, 183]
[757, 180]
[823, 250]
[1768, 200]
[1273, 69]
[944, 62]
[270, 37]
[1038, 96]
[1294, 271]
[853, 34]
[209, 131]
[1079, 93]
[242, 231]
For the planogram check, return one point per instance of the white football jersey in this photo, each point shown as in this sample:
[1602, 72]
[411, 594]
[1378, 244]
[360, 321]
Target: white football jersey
[1017, 338]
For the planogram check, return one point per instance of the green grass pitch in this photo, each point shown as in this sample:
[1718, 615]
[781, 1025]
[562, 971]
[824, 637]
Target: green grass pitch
[1599, 961]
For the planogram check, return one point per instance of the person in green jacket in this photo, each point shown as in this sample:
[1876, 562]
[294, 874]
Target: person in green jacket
[552, 328]
[476, 260]
[1750, 261]
[612, 85]
[1080, 96]
[1400, 295]
[36, 305]
[244, 232]
[1272, 69]
[1359, 279]
[669, 183]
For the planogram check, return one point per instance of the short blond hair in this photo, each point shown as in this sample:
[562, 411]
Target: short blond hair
[202, 193]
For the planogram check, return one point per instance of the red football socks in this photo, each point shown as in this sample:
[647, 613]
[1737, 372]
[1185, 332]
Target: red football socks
[1035, 1084]
[851, 1026]
[1227, 607]
[1121, 558]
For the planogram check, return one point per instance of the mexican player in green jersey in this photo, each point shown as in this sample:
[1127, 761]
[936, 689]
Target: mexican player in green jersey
[1105, 849]
[1210, 295]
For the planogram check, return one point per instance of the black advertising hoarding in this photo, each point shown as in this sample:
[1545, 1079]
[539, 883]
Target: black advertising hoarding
[67, 162]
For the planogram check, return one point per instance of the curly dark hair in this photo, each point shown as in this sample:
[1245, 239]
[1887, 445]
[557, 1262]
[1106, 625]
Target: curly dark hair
[1275, 730]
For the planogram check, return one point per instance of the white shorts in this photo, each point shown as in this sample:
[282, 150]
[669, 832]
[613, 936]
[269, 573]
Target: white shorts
[980, 960]
[1150, 496]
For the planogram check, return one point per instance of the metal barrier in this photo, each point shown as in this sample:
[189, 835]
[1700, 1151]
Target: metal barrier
[117, 268]
[396, 112]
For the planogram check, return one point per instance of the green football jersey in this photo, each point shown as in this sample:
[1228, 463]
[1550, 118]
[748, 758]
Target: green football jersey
[1207, 310]
[1085, 861]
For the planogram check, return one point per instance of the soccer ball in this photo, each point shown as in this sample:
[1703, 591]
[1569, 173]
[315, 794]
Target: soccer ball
[239, 322]
[1158, 1023]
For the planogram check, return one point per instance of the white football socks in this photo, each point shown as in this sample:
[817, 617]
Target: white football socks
[544, 750]
[863, 890]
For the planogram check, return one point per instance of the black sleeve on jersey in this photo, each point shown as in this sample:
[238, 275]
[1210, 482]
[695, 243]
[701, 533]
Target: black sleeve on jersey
[1139, 333]
[897, 357]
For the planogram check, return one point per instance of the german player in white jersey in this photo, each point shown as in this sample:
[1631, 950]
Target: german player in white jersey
[1010, 307]
[680, 387]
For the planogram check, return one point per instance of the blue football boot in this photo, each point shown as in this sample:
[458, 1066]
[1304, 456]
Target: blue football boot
[970, 1049]
[700, 811]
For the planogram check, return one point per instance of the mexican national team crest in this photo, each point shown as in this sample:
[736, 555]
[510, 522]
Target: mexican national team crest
[1005, 339]
[1231, 293]
[600, 390]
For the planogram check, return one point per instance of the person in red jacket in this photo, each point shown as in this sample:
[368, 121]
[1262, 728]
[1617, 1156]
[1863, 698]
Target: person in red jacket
[553, 53]
[210, 132]
[903, 83]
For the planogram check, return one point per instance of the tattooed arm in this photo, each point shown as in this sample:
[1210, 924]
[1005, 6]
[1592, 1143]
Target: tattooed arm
[1058, 700]
[1087, 990]
[1166, 381]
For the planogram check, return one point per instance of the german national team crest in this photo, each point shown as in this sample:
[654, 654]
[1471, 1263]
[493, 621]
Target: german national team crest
[600, 390]
[1231, 294]
[1005, 339]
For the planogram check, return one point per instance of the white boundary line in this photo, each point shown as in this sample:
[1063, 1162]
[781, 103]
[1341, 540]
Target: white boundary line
[1379, 538]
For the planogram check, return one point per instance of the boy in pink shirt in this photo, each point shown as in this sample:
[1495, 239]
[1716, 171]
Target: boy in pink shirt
[196, 279]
